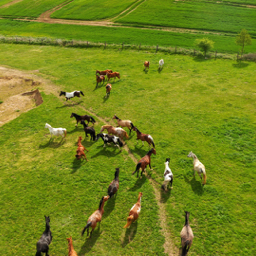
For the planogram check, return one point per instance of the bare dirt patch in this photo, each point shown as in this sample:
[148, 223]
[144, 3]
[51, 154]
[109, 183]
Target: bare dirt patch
[11, 3]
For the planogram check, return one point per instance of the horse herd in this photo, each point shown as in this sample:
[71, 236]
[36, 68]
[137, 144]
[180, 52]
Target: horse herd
[116, 136]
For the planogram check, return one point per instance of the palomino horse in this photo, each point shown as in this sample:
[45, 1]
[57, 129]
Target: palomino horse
[103, 72]
[121, 133]
[144, 161]
[108, 89]
[80, 150]
[146, 65]
[144, 137]
[56, 131]
[70, 95]
[198, 166]
[100, 79]
[83, 118]
[114, 74]
[71, 250]
[168, 176]
[114, 185]
[110, 138]
[95, 217]
[134, 212]
[45, 240]
[186, 235]
[89, 130]
[124, 123]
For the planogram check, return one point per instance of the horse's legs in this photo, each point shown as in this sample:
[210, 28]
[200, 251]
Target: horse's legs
[150, 166]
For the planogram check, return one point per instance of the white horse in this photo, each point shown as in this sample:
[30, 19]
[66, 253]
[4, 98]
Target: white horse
[168, 176]
[56, 131]
[161, 63]
[198, 166]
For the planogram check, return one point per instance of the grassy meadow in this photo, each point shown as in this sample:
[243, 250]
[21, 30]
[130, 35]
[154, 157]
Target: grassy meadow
[193, 104]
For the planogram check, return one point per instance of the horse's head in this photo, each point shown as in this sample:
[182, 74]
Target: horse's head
[167, 160]
[190, 154]
[72, 115]
[153, 151]
[140, 194]
[62, 93]
[47, 126]
[98, 136]
[115, 117]
[47, 218]
[134, 128]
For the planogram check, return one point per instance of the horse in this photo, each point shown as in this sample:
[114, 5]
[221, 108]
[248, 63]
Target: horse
[114, 74]
[146, 65]
[89, 130]
[124, 123]
[56, 131]
[103, 72]
[110, 138]
[95, 217]
[144, 161]
[108, 89]
[144, 137]
[186, 235]
[45, 240]
[161, 64]
[198, 166]
[134, 212]
[83, 118]
[70, 95]
[80, 150]
[121, 133]
[114, 185]
[100, 79]
[168, 176]
[71, 251]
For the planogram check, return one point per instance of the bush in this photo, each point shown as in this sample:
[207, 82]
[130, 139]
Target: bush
[204, 45]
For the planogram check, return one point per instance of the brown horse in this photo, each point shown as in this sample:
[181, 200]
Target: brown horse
[83, 118]
[108, 89]
[146, 65]
[144, 137]
[144, 161]
[121, 133]
[124, 123]
[100, 79]
[95, 217]
[114, 74]
[103, 72]
[80, 150]
[71, 251]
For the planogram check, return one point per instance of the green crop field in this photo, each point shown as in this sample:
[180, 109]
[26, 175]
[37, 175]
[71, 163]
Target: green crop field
[3, 2]
[193, 104]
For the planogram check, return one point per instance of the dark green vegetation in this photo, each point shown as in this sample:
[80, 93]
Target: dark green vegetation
[201, 105]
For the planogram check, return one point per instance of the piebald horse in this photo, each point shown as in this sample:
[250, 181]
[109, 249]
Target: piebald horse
[168, 176]
[70, 95]
[121, 133]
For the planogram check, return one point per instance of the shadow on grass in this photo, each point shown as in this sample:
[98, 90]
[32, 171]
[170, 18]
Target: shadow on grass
[240, 65]
[52, 144]
[70, 104]
[138, 184]
[159, 70]
[165, 195]
[104, 98]
[196, 186]
[76, 129]
[200, 58]
[105, 151]
[130, 234]
[89, 243]
[98, 86]
[110, 206]
[77, 164]
[139, 150]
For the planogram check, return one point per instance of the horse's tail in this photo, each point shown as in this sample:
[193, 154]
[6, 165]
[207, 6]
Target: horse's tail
[132, 126]
[152, 141]
[120, 142]
[65, 132]
[204, 174]
[82, 93]
[94, 136]
[185, 248]
[137, 168]
[38, 253]
[126, 135]
[93, 120]
[87, 226]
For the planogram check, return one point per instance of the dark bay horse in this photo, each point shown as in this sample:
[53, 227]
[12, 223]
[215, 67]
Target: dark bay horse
[83, 118]
[89, 130]
[144, 161]
[70, 95]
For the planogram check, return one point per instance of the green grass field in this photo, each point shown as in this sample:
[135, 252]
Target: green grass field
[204, 106]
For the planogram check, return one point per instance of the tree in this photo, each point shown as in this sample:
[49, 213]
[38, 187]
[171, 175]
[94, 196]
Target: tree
[243, 39]
[204, 45]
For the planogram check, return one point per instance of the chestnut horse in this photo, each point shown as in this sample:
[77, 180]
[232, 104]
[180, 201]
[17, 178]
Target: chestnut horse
[121, 133]
[80, 150]
[124, 123]
[103, 72]
[144, 161]
[114, 74]
[144, 137]
[100, 79]
[108, 89]
[146, 65]
[71, 251]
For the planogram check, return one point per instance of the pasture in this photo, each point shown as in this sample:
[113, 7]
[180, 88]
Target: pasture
[193, 104]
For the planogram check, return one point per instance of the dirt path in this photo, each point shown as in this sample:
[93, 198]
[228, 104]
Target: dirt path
[11, 3]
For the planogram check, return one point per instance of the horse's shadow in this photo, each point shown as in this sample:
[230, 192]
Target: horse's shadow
[105, 98]
[89, 243]
[52, 144]
[145, 71]
[165, 195]
[138, 184]
[108, 153]
[159, 70]
[77, 129]
[139, 150]
[196, 186]
[77, 164]
[130, 234]
[98, 86]
[71, 104]
[110, 206]
[240, 65]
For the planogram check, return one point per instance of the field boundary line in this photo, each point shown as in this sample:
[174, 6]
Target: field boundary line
[11, 3]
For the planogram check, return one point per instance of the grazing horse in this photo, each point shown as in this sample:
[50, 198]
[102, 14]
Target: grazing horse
[124, 123]
[186, 235]
[114, 185]
[161, 64]
[71, 251]
[168, 176]
[45, 240]
[121, 133]
[95, 217]
[198, 166]
[56, 131]
[70, 95]
[100, 79]
[114, 74]
[134, 212]
[108, 89]
[89, 130]
[83, 118]
[110, 138]
[103, 72]
[144, 137]
[144, 161]
[80, 150]
[146, 65]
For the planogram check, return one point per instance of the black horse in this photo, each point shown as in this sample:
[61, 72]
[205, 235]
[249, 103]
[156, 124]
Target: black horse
[110, 138]
[45, 240]
[70, 95]
[83, 118]
[89, 130]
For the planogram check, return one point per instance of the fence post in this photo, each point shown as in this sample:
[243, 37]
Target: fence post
[105, 45]
[175, 49]
[156, 48]
[216, 54]
[237, 56]
[122, 46]
[139, 46]
[87, 43]
[194, 52]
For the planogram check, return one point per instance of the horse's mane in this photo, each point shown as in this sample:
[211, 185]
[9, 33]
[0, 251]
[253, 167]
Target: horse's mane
[106, 126]
[74, 114]
[101, 201]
